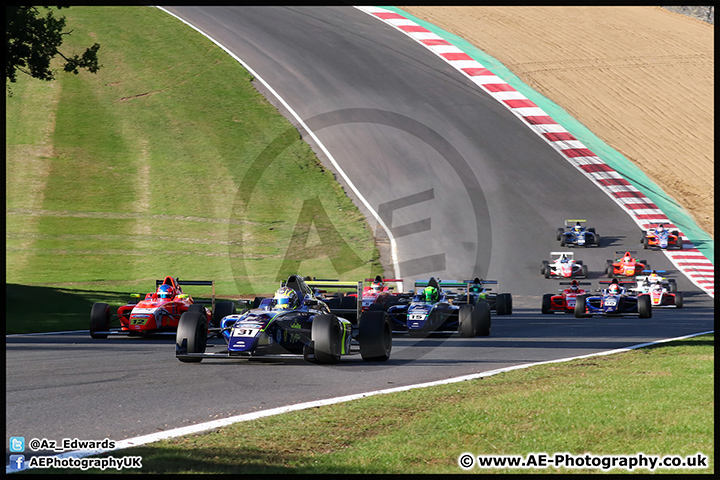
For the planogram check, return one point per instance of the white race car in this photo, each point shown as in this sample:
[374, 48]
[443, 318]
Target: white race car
[563, 265]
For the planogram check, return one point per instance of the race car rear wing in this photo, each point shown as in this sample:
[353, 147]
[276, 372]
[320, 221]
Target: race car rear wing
[358, 286]
[623, 252]
[569, 255]
[570, 283]
[571, 221]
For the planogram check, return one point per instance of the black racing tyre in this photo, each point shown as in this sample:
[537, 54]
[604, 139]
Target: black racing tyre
[547, 271]
[375, 336]
[644, 306]
[645, 243]
[191, 336]
[333, 303]
[597, 239]
[481, 315]
[466, 327]
[222, 310]
[591, 230]
[376, 306]
[503, 304]
[99, 320]
[560, 232]
[584, 271]
[580, 306]
[546, 304]
[327, 339]
[348, 302]
[196, 307]
[672, 285]
[544, 267]
[679, 300]
[562, 241]
[643, 234]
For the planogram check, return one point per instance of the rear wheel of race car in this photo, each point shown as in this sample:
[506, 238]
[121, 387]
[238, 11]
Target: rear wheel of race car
[548, 269]
[482, 319]
[560, 232]
[99, 320]
[222, 310]
[679, 300]
[597, 239]
[546, 304]
[503, 304]
[672, 285]
[196, 307]
[644, 306]
[466, 327]
[584, 271]
[544, 266]
[327, 339]
[645, 243]
[375, 336]
[191, 336]
[580, 306]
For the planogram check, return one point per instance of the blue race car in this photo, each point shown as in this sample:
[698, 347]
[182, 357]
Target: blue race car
[613, 301]
[432, 310]
[294, 322]
[577, 234]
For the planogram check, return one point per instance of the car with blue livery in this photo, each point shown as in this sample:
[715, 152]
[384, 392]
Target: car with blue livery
[430, 308]
[613, 301]
[578, 235]
[295, 322]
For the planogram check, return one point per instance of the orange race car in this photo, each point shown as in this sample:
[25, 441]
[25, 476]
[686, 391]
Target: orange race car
[159, 312]
[625, 266]
[660, 237]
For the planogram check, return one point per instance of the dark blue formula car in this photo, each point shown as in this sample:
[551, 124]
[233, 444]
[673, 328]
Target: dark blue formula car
[430, 309]
[295, 322]
[576, 234]
[613, 301]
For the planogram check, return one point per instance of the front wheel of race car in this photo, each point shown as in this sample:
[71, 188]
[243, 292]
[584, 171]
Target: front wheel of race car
[679, 300]
[99, 320]
[482, 319]
[644, 306]
[191, 336]
[466, 326]
[544, 266]
[327, 339]
[375, 336]
[503, 304]
[580, 306]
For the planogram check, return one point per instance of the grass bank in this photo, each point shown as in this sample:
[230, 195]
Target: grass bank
[657, 400]
[166, 162]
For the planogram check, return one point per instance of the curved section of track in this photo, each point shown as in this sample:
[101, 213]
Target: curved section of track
[466, 188]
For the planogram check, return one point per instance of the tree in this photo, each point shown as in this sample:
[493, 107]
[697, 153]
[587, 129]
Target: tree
[32, 41]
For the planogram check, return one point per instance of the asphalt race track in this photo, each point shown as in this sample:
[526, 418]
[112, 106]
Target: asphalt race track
[465, 187]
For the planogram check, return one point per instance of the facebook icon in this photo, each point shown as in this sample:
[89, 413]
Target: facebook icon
[17, 462]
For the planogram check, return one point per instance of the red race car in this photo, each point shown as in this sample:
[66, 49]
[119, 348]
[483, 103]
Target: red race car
[565, 302]
[662, 238]
[625, 266]
[159, 312]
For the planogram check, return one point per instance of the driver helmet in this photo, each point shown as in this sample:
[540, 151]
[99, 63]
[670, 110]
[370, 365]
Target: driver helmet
[613, 289]
[578, 227]
[564, 259]
[430, 294]
[165, 291]
[377, 287]
[285, 298]
[574, 286]
[660, 228]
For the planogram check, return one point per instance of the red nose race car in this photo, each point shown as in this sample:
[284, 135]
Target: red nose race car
[565, 301]
[158, 313]
[625, 266]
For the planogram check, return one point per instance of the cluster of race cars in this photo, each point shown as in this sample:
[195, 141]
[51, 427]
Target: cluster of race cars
[304, 318]
[619, 297]
[324, 320]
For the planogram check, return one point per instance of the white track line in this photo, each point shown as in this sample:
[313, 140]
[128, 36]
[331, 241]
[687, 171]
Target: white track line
[207, 426]
[393, 244]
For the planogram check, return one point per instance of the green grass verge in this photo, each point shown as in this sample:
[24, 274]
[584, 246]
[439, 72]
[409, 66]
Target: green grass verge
[166, 162]
[657, 400]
